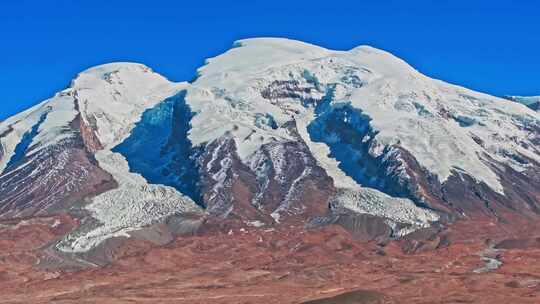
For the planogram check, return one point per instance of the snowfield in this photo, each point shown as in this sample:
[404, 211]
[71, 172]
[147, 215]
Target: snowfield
[435, 121]
[532, 102]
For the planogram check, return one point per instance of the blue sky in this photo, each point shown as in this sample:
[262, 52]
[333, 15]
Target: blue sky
[490, 46]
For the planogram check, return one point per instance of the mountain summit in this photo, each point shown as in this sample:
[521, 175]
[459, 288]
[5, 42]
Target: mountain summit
[273, 132]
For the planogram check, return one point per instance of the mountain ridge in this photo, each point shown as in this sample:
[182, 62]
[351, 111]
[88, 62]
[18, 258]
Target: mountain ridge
[272, 132]
[532, 102]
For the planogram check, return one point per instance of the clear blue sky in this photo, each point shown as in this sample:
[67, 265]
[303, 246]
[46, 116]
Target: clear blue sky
[491, 46]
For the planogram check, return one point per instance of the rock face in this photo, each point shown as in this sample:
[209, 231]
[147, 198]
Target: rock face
[42, 178]
[273, 132]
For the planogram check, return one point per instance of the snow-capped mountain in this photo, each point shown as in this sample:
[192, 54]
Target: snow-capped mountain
[532, 102]
[272, 132]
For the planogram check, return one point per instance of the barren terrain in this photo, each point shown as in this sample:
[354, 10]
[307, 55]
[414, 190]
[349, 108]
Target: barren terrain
[289, 265]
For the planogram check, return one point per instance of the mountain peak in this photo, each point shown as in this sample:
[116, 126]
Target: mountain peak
[115, 66]
[273, 130]
[276, 42]
[126, 73]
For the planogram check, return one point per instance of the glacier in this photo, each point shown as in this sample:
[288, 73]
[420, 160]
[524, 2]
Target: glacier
[170, 160]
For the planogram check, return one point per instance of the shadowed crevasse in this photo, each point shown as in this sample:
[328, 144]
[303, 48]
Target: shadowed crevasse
[25, 143]
[159, 149]
[348, 134]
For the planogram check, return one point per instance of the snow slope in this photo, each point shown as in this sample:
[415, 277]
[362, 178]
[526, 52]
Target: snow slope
[532, 102]
[41, 126]
[437, 122]
[110, 99]
[113, 96]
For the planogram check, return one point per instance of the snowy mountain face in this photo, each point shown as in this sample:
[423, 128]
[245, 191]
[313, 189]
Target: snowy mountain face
[271, 132]
[532, 102]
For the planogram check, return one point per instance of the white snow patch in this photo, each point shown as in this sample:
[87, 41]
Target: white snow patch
[132, 206]
[256, 224]
[397, 210]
